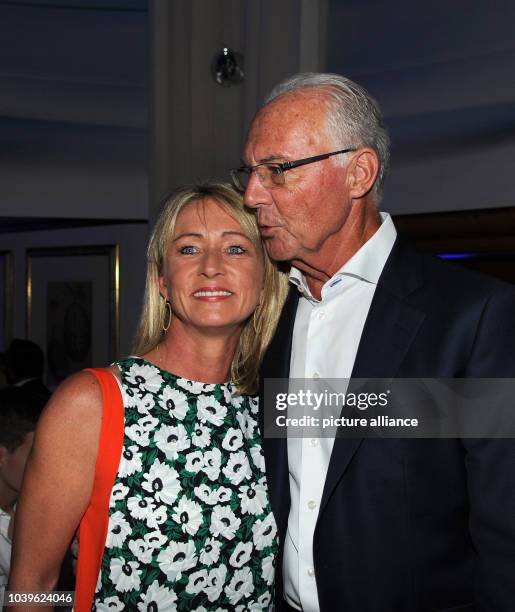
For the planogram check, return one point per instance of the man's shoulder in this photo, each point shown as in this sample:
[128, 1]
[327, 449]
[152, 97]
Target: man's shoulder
[449, 279]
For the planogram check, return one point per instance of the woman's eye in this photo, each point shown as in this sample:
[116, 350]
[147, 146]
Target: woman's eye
[188, 250]
[236, 250]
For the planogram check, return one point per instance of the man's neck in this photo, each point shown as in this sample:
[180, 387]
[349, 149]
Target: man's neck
[361, 224]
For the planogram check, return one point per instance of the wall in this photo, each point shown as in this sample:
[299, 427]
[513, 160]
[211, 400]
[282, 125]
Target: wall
[442, 73]
[74, 91]
[131, 238]
[197, 126]
[73, 109]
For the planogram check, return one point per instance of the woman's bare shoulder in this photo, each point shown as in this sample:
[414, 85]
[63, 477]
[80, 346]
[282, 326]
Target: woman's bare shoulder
[77, 401]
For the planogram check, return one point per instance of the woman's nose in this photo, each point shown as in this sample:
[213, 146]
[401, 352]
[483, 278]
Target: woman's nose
[212, 263]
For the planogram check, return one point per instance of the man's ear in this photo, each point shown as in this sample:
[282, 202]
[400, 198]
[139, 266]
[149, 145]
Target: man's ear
[363, 171]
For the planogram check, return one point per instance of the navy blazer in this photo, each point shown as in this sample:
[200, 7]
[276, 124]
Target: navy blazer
[409, 525]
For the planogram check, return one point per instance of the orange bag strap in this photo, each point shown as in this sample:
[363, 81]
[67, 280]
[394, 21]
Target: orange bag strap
[94, 523]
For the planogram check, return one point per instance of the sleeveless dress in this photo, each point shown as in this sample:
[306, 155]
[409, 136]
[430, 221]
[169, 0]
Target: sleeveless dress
[190, 523]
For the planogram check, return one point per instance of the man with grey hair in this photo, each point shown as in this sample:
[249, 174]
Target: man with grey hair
[374, 525]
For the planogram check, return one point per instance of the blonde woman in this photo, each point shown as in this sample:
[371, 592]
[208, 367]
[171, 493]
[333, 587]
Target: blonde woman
[171, 496]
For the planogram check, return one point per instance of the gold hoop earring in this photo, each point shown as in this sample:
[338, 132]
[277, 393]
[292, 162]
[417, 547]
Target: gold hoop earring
[168, 312]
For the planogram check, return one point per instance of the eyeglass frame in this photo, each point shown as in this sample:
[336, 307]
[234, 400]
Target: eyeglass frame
[284, 166]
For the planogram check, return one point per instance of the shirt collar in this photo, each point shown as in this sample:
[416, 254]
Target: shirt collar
[366, 264]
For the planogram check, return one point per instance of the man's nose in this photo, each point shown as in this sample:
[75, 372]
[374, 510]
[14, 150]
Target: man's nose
[255, 194]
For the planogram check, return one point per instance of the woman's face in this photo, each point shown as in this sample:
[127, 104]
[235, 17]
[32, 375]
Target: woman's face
[213, 273]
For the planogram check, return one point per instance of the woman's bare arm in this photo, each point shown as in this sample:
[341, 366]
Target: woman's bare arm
[57, 484]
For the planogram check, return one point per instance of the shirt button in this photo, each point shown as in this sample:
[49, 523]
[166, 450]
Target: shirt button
[311, 572]
[312, 505]
[313, 442]
[321, 315]
[316, 375]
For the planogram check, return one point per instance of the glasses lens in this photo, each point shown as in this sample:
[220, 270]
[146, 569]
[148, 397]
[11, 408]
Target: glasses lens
[270, 175]
[275, 175]
[240, 178]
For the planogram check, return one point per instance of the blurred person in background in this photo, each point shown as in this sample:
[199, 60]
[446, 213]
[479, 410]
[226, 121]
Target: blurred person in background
[25, 363]
[17, 425]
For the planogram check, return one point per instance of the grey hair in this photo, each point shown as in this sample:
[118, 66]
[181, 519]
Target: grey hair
[354, 117]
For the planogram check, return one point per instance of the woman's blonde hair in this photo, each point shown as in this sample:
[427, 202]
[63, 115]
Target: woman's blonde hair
[259, 329]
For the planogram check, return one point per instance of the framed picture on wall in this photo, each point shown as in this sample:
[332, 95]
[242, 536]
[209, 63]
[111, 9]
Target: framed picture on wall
[6, 298]
[73, 307]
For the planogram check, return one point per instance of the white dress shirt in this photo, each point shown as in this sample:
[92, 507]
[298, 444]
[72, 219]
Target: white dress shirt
[326, 337]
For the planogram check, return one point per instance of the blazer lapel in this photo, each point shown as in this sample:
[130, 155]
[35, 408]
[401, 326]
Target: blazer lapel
[276, 364]
[389, 330]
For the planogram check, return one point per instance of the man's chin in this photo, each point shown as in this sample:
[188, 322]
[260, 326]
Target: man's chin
[278, 250]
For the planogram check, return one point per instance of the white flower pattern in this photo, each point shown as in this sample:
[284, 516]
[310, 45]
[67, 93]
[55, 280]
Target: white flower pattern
[141, 507]
[212, 462]
[233, 439]
[119, 529]
[176, 558]
[264, 532]
[162, 481]
[201, 435]
[125, 575]
[190, 523]
[145, 377]
[210, 552]
[215, 582]
[189, 515]
[240, 586]
[110, 604]
[130, 461]
[172, 440]
[175, 402]
[210, 410]
[237, 468]
[141, 550]
[253, 498]
[119, 491]
[144, 403]
[158, 598]
[268, 569]
[224, 522]
[241, 554]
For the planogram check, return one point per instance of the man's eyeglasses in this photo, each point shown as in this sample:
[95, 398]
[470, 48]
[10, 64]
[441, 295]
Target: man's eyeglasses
[271, 174]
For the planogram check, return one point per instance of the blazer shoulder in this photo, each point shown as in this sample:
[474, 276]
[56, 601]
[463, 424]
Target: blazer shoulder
[445, 275]
[463, 280]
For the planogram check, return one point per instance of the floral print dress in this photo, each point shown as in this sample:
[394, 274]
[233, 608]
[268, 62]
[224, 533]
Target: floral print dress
[190, 522]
